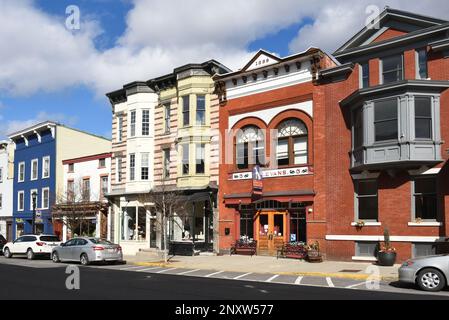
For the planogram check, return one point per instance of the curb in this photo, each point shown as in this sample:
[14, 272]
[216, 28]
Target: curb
[352, 276]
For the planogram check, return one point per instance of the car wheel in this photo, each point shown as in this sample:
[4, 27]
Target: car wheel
[30, 254]
[431, 280]
[84, 259]
[7, 253]
[55, 257]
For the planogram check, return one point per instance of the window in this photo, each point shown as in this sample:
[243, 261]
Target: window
[246, 226]
[20, 201]
[144, 167]
[133, 224]
[71, 167]
[21, 175]
[185, 159]
[424, 249]
[132, 123]
[366, 200]
[358, 128]
[70, 191]
[86, 190]
[45, 198]
[1, 201]
[364, 75]
[104, 185]
[386, 120]
[250, 148]
[425, 198]
[423, 118]
[33, 191]
[292, 143]
[167, 118]
[119, 128]
[200, 110]
[132, 167]
[1, 175]
[421, 64]
[298, 226]
[102, 163]
[46, 167]
[392, 69]
[185, 111]
[200, 158]
[34, 164]
[118, 170]
[145, 122]
[366, 249]
[166, 155]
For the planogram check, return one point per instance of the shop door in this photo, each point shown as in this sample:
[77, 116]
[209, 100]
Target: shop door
[271, 232]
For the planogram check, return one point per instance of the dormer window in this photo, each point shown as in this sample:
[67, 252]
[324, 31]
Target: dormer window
[392, 69]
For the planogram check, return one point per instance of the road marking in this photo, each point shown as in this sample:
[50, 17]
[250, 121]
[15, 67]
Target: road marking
[355, 285]
[242, 275]
[130, 268]
[213, 274]
[329, 282]
[298, 280]
[147, 269]
[272, 278]
[165, 270]
[189, 271]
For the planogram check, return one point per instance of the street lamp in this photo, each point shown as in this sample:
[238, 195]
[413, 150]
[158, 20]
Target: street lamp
[33, 225]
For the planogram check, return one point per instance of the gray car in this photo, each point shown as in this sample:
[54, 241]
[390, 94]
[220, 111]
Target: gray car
[429, 273]
[87, 250]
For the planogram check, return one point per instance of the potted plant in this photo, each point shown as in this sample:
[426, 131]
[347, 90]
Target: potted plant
[387, 253]
[313, 252]
[360, 224]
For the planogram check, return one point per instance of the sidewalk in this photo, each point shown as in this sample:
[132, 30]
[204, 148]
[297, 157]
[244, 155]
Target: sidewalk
[263, 264]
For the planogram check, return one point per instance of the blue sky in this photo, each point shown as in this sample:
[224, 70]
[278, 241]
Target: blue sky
[57, 74]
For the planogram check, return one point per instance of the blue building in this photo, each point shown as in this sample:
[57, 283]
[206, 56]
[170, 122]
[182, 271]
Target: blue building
[38, 168]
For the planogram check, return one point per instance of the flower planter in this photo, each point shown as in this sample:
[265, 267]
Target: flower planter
[386, 258]
[314, 256]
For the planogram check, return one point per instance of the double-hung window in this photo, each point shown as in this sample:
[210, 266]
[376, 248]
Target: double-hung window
[200, 158]
[118, 170]
[120, 128]
[166, 155]
[145, 166]
[250, 147]
[132, 116]
[364, 75]
[86, 190]
[423, 118]
[186, 111]
[425, 198]
[34, 169]
[185, 159]
[45, 198]
[292, 143]
[20, 201]
[386, 120]
[167, 118]
[200, 110]
[392, 69]
[421, 64]
[45, 167]
[132, 167]
[145, 122]
[21, 174]
[104, 187]
[366, 200]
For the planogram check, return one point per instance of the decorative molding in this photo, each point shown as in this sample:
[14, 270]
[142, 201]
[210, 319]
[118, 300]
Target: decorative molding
[381, 238]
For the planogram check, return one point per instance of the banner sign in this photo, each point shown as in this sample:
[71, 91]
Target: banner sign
[257, 181]
[272, 173]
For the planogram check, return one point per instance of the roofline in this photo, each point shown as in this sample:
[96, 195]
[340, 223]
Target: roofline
[88, 158]
[381, 16]
[33, 128]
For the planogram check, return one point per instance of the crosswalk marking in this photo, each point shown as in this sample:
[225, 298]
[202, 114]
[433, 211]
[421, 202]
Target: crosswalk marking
[188, 271]
[298, 280]
[147, 269]
[130, 268]
[242, 275]
[329, 282]
[165, 270]
[272, 278]
[213, 274]
[355, 285]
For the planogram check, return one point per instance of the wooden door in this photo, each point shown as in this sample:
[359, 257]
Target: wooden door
[271, 232]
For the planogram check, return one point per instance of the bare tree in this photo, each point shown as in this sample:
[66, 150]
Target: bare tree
[168, 203]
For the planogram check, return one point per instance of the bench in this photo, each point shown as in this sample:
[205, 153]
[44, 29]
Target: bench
[292, 250]
[244, 248]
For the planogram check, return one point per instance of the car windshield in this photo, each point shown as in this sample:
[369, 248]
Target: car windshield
[99, 241]
[50, 238]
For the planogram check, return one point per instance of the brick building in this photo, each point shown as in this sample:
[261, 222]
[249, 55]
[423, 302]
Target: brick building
[381, 139]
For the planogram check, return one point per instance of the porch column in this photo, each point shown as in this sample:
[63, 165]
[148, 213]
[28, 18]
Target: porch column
[64, 229]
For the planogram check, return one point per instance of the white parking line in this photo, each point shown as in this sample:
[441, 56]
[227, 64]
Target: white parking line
[189, 271]
[213, 274]
[329, 282]
[165, 270]
[298, 280]
[130, 268]
[242, 275]
[355, 285]
[148, 269]
[272, 278]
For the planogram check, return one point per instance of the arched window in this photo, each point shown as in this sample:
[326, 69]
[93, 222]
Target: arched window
[292, 143]
[250, 147]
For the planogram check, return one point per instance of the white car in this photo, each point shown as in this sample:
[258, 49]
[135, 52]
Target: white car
[31, 245]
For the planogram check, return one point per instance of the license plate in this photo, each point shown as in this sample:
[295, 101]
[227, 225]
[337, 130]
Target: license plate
[111, 250]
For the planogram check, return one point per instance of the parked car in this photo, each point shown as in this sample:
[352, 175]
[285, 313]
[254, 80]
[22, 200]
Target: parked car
[2, 243]
[31, 245]
[430, 273]
[87, 250]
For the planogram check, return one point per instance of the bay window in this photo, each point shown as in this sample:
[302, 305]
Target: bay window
[200, 158]
[145, 122]
[200, 110]
[185, 111]
[132, 167]
[133, 123]
[423, 118]
[185, 159]
[386, 120]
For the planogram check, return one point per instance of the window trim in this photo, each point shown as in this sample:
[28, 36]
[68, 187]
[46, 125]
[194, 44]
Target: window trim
[357, 196]
[132, 167]
[362, 75]
[432, 117]
[398, 118]
[22, 192]
[86, 179]
[146, 166]
[34, 162]
[417, 64]
[251, 147]
[291, 146]
[381, 67]
[49, 167]
[184, 112]
[414, 194]
[43, 204]
[204, 123]
[145, 124]
[132, 123]
[21, 165]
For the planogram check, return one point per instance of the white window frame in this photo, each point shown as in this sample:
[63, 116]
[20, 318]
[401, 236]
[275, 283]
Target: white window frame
[144, 165]
[34, 162]
[21, 168]
[145, 123]
[45, 205]
[31, 197]
[132, 124]
[1, 201]
[132, 167]
[1, 174]
[19, 208]
[44, 159]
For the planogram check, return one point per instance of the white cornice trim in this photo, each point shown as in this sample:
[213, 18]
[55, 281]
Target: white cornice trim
[381, 238]
[425, 224]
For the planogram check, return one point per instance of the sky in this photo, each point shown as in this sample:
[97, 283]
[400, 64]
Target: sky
[52, 70]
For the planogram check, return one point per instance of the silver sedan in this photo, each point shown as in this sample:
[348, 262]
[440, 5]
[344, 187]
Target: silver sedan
[429, 273]
[87, 250]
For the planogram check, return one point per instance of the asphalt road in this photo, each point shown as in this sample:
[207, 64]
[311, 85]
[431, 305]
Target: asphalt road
[23, 279]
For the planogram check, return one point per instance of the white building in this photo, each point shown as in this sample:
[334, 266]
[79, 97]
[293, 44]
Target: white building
[6, 188]
[86, 182]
